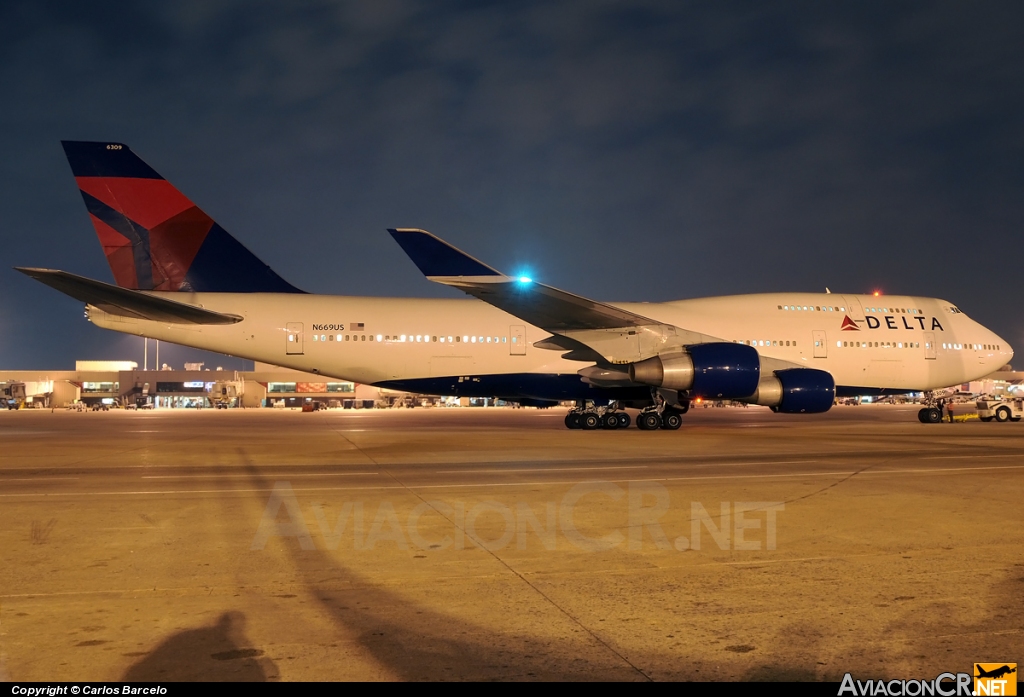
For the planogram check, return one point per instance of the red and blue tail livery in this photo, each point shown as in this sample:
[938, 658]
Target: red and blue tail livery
[153, 236]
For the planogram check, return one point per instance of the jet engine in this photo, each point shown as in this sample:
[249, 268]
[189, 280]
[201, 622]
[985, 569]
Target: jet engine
[717, 370]
[796, 391]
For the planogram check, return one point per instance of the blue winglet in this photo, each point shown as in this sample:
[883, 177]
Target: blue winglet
[435, 257]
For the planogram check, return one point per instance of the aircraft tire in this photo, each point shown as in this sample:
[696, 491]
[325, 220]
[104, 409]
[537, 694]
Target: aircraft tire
[1002, 414]
[589, 421]
[648, 421]
[671, 420]
[572, 420]
[610, 421]
[624, 419]
[932, 415]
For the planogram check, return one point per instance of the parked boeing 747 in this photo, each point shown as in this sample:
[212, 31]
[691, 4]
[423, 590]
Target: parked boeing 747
[181, 277]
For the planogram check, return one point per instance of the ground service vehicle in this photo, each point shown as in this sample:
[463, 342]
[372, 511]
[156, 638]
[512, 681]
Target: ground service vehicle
[1000, 409]
[12, 395]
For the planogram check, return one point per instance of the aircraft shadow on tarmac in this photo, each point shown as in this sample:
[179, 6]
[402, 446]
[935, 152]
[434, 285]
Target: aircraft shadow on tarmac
[415, 643]
[420, 644]
[218, 652]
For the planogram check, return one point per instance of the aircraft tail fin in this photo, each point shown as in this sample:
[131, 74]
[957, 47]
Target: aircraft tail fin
[153, 236]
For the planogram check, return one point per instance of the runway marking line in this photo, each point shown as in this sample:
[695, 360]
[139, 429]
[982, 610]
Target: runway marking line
[623, 467]
[544, 469]
[997, 632]
[412, 487]
[964, 457]
[40, 479]
[229, 476]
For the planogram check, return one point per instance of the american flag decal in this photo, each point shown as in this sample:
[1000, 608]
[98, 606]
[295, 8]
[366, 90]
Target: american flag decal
[357, 327]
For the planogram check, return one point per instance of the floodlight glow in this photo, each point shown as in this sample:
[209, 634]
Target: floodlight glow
[525, 279]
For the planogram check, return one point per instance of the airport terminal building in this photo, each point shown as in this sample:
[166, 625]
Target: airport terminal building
[123, 383]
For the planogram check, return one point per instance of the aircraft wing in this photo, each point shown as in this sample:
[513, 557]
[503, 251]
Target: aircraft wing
[616, 334]
[125, 302]
[541, 305]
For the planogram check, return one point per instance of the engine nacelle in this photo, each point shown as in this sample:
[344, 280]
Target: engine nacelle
[797, 391]
[719, 371]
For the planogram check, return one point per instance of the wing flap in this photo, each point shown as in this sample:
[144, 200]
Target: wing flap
[124, 302]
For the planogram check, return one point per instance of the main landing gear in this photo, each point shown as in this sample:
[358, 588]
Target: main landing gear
[661, 416]
[670, 418]
[591, 418]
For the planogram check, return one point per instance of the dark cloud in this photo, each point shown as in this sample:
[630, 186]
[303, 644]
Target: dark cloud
[642, 150]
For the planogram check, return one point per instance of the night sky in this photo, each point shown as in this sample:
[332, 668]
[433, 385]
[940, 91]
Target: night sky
[620, 150]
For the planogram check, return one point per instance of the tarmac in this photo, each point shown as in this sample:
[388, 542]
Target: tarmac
[495, 544]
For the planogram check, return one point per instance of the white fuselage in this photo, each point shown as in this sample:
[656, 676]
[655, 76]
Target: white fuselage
[891, 342]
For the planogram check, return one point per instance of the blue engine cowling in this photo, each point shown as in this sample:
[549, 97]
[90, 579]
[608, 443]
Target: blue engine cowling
[724, 371]
[805, 391]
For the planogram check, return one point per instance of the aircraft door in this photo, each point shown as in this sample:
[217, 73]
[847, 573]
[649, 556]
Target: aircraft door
[517, 334]
[293, 343]
[929, 345]
[854, 310]
[820, 349]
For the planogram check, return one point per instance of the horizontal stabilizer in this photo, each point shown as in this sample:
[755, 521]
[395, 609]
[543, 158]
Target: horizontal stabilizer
[124, 302]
